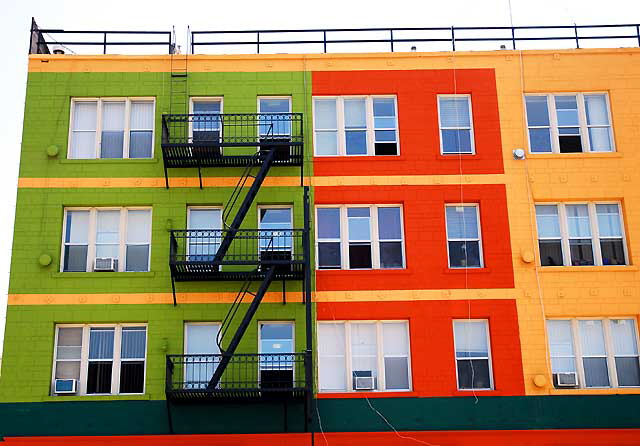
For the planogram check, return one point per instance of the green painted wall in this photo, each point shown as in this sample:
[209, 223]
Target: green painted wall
[28, 352]
[48, 102]
[337, 415]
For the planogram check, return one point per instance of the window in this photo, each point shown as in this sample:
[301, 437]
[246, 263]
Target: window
[276, 235]
[272, 122]
[463, 236]
[200, 340]
[205, 234]
[361, 125]
[581, 234]
[358, 355]
[111, 128]
[106, 239]
[598, 353]
[473, 360]
[456, 124]
[102, 359]
[569, 123]
[359, 237]
[206, 125]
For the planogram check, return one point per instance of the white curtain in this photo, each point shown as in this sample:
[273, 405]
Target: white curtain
[609, 220]
[138, 226]
[141, 115]
[331, 352]
[77, 227]
[471, 339]
[548, 221]
[355, 113]
[454, 112]
[578, 220]
[134, 340]
[101, 343]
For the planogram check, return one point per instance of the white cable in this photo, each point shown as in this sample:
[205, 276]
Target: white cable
[320, 424]
[394, 429]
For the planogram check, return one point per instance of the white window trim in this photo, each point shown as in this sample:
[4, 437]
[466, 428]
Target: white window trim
[479, 239]
[348, 357]
[470, 128]
[84, 358]
[609, 349]
[374, 231]
[341, 137]
[91, 238]
[488, 358]
[595, 232]
[127, 124]
[582, 122]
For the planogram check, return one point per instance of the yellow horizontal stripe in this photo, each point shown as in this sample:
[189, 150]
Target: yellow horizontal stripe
[391, 180]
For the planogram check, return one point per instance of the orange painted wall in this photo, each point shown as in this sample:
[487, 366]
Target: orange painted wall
[417, 92]
[425, 238]
[582, 437]
[433, 368]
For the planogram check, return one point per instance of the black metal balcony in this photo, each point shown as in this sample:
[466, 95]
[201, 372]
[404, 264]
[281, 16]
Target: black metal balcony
[193, 254]
[247, 376]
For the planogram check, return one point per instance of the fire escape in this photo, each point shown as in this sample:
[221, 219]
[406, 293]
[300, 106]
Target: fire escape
[255, 258]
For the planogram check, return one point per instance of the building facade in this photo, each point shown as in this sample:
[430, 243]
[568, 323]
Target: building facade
[342, 248]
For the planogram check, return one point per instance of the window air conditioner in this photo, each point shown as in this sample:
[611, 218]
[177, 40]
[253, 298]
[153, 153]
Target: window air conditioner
[65, 386]
[566, 379]
[363, 380]
[105, 264]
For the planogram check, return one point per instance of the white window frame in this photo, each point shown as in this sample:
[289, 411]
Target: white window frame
[341, 136]
[488, 358]
[348, 357]
[375, 237]
[609, 349]
[84, 357]
[91, 238]
[582, 122]
[595, 232]
[479, 239]
[470, 128]
[127, 124]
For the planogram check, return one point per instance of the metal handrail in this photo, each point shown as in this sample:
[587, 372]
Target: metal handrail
[392, 39]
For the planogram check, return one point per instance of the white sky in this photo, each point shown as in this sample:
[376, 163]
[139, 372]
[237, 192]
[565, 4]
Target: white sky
[15, 21]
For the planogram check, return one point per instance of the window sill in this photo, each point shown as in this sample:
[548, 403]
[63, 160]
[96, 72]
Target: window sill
[466, 270]
[585, 155]
[589, 269]
[93, 275]
[109, 161]
[376, 394]
[96, 397]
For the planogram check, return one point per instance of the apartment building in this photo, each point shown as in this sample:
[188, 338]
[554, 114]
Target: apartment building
[344, 248]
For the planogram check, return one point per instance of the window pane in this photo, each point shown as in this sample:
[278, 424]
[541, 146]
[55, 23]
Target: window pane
[363, 340]
[69, 343]
[454, 112]
[77, 228]
[325, 116]
[207, 107]
[396, 373]
[384, 107]
[600, 138]
[355, 115]
[464, 254]
[67, 370]
[359, 224]
[108, 251]
[137, 258]
[473, 374]
[551, 253]
[581, 251]
[391, 255]
[389, 224]
[326, 143]
[331, 339]
[596, 372]
[567, 110]
[592, 338]
[276, 331]
[134, 340]
[359, 255]
[329, 255]
[456, 141]
[332, 373]
[132, 377]
[108, 224]
[75, 258]
[537, 111]
[328, 223]
[201, 339]
[540, 140]
[623, 332]
[570, 143]
[356, 142]
[205, 219]
[99, 377]
[83, 145]
[275, 218]
[112, 144]
[140, 144]
[385, 135]
[612, 251]
[384, 123]
[462, 222]
[578, 220]
[141, 115]
[101, 343]
[112, 129]
[560, 338]
[628, 371]
[547, 221]
[138, 226]
[386, 148]
[596, 107]
[609, 224]
[395, 339]
[272, 105]
[470, 339]
[85, 115]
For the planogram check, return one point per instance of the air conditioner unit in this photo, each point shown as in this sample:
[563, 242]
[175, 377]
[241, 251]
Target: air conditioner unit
[363, 380]
[65, 386]
[105, 264]
[566, 379]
